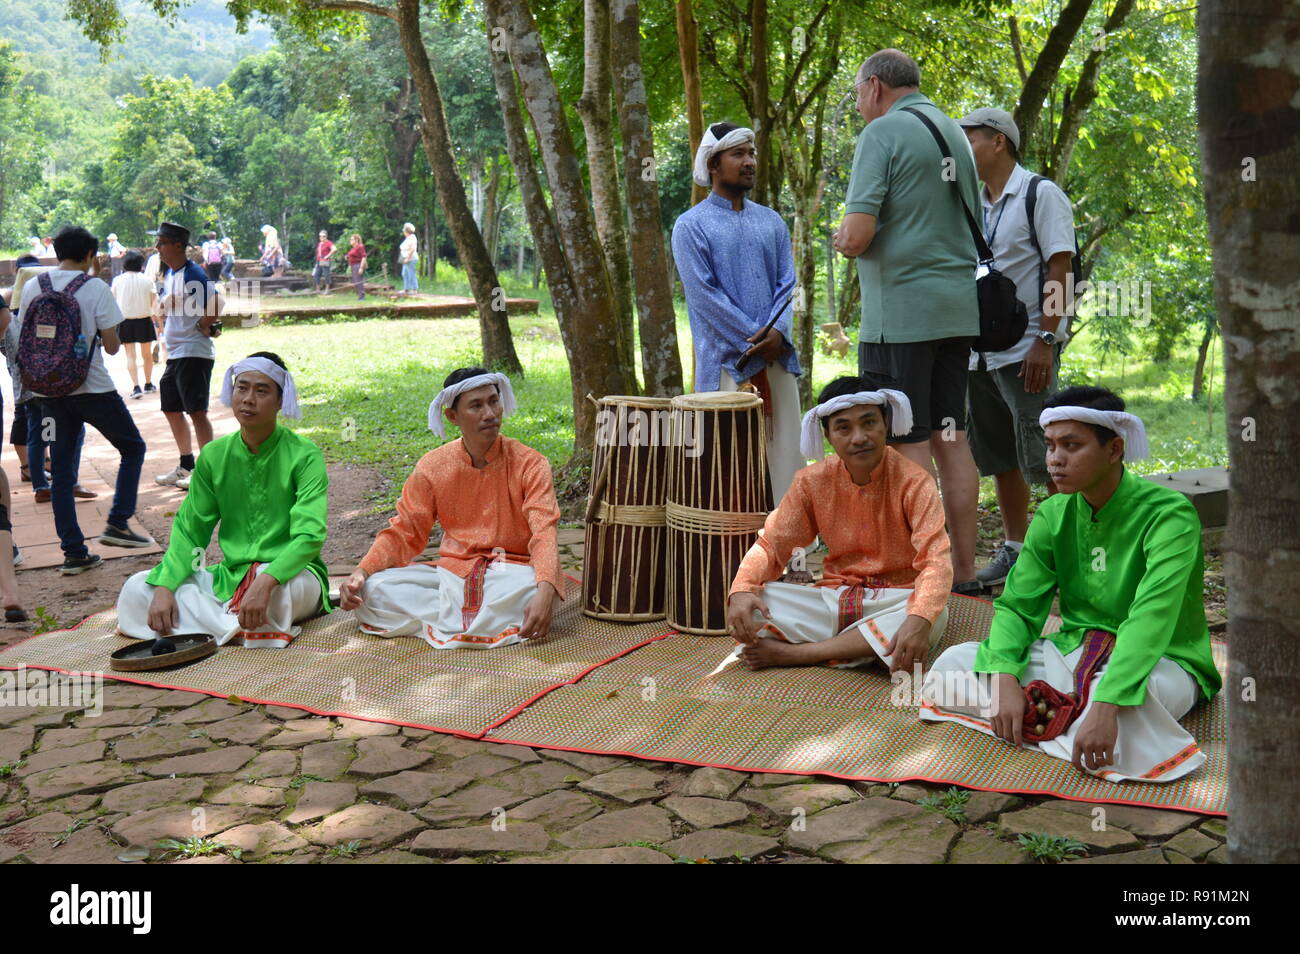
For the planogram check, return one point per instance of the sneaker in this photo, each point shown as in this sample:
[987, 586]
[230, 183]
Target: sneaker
[149, 388]
[72, 567]
[136, 392]
[117, 537]
[173, 477]
[183, 483]
[969, 588]
[1004, 558]
[18, 556]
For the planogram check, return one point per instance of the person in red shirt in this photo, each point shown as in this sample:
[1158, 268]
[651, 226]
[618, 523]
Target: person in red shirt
[320, 276]
[357, 259]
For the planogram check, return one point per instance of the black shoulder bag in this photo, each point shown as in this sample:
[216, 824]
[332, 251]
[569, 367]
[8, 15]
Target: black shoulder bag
[1003, 316]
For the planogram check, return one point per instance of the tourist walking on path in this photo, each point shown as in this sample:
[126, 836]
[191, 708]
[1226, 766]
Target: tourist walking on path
[409, 258]
[27, 432]
[116, 254]
[227, 258]
[210, 252]
[273, 259]
[320, 276]
[357, 259]
[137, 298]
[191, 305]
[53, 299]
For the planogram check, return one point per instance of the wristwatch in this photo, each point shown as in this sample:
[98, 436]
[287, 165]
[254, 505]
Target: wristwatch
[1047, 337]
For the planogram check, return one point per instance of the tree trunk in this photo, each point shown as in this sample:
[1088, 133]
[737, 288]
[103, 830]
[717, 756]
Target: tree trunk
[688, 47]
[490, 211]
[761, 101]
[589, 327]
[1046, 67]
[830, 280]
[596, 109]
[1250, 149]
[1083, 96]
[1198, 375]
[661, 363]
[849, 315]
[519, 261]
[494, 327]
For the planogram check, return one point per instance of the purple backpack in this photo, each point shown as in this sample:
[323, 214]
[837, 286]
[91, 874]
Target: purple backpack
[47, 342]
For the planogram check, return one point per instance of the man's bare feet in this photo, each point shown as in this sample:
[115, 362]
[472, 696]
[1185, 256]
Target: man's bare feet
[770, 651]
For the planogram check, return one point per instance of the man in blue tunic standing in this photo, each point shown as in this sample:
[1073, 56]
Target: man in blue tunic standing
[737, 272]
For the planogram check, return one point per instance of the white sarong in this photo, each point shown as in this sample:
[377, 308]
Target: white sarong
[202, 612]
[1151, 745]
[783, 455]
[428, 601]
[811, 614]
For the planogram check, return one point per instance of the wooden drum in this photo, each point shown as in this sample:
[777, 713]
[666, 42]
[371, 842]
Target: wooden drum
[626, 547]
[718, 499]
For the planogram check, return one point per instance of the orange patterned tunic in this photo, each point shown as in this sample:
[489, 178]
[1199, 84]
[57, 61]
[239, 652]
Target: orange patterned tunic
[507, 507]
[889, 532]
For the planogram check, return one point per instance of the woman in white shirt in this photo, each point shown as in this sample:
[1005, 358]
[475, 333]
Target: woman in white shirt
[137, 297]
[409, 258]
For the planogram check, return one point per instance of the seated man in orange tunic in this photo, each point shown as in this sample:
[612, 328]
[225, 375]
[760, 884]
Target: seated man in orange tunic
[498, 574]
[887, 573]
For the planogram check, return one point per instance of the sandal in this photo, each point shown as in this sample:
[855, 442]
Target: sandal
[15, 614]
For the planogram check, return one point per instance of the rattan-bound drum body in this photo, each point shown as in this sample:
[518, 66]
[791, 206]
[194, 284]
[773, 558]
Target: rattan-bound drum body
[626, 546]
[718, 498]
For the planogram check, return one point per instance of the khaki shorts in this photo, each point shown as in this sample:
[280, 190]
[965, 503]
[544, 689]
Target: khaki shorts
[1002, 421]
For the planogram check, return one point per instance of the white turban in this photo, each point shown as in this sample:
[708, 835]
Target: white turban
[810, 440]
[447, 396]
[289, 403]
[1127, 426]
[717, 139]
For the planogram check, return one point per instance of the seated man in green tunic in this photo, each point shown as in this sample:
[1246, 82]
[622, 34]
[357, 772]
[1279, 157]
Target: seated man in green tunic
[1132, 656]
[266, 487]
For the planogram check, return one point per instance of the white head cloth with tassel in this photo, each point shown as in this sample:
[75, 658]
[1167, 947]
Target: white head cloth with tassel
[810, 438]
[288, 391]
[448, 395]
[1126, 425]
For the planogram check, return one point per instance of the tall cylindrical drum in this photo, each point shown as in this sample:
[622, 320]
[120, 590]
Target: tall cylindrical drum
[718, 499]
[625, 546]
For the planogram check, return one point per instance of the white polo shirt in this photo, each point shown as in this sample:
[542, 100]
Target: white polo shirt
[1006, 227]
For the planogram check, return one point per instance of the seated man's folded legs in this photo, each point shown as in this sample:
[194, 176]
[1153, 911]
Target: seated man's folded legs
[431, 602]
[201, 611]
[804, 615]
[1151, 745]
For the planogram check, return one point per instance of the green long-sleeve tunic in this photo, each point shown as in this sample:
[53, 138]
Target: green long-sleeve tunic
[271, 507]
[1135, 568]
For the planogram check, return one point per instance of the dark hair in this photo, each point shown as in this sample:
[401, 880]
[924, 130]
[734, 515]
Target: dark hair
[23, 261]
[73, 243]
[852, 384]
[1084, 395]
[463, 374]
[989, 132]
[274, 359]
[133, 261]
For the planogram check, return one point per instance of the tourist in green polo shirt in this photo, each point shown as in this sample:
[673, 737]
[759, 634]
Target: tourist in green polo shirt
[904, 224]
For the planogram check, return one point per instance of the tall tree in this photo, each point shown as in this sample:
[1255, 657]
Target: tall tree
[688, 47]
[600, 367]
[661, 364]
[1038, 84]
[1249, 93]
[596, 108]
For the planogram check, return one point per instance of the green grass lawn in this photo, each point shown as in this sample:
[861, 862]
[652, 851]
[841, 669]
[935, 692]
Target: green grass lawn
[366, 384]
